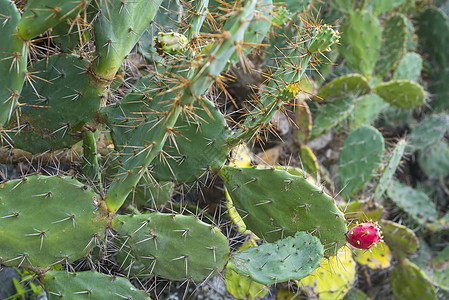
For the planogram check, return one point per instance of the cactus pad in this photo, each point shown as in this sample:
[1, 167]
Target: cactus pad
[292, 258]
[413, 202]
[331, 113]
[47, 220]
[360, 157]
[401, 93]
[407, 274]
[275, 204]
[352, 84]
[46, 121]
[89, 285]
[41, 15]
[434, 160]
[367, 109]
[172, 246]
[200, 145]
[361, 41]
[381, 6]
[118, 27]
[393, 46]
[13, 61]
[409, 67]
[389, 170]
[401, 240]
[428, 132]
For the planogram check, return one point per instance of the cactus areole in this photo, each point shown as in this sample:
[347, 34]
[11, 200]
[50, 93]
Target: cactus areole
[364, 236]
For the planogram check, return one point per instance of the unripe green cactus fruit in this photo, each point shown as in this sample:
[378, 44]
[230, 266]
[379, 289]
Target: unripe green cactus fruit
[170, 43]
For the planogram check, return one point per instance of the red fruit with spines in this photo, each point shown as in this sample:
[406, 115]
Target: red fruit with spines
[364, 236]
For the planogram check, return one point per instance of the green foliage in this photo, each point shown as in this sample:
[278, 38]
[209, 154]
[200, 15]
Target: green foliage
[401, 93]
[289, 258]
[393, 45]
[278, 203]
[405, 273]
[416, 203]
[134, 100]
[362, 41]
[89, 285]
[173, 246]
[28, 240]
[360, 157]
[409, 67]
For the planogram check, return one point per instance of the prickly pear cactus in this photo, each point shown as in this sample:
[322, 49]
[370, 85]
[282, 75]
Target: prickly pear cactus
[129, 132]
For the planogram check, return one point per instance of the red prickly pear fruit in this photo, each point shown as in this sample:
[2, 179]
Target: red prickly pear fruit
[364, 236]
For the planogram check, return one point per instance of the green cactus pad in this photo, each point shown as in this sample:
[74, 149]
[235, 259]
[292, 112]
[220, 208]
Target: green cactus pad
[415, 203]
[409, 67]
[333, 278]
[382, 6]
[351, 84]
[401, 93]
[433, 32]
[331, 114]
[345, 6]
[275, 204]
[367, 109]
[89, 285]
[356, 294]
[279, 89]
[361, 211]
[292, 258]
[434, 160]
[325, 36]
[360, 158]
[150, 193]
[428, 132]
[48, 220]
[393, 45]
[117, 29]
[389, 170]
[57, 105]
[13, 61]
[41, 15]
[240, 286]
[407, 274]
[176, 247]
[361, 41]
[257, 30]
[141, 126]
[199, 147]
[71, 32]
[401, 240]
